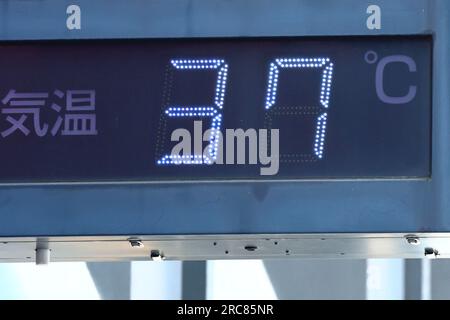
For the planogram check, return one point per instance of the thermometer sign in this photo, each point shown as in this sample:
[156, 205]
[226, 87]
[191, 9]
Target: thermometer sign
[216, 109]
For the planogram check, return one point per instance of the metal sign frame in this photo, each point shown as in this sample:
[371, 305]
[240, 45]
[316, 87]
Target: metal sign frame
[355, 218]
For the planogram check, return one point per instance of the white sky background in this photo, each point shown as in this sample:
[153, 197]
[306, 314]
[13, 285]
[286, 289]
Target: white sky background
[226, 279]
[68, 280]
[242, 279]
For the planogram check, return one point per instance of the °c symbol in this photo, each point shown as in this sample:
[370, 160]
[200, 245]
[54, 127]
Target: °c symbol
[371, 57]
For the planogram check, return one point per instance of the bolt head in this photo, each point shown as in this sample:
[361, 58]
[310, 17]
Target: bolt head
[413, 240]
[136, 243]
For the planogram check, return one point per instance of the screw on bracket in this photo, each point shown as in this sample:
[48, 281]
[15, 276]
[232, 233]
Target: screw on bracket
[251, 248]
[430, 251]
[156, 255]
[414, 240]
[136, 243]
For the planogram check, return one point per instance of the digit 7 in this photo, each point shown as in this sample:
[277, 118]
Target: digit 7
[326, 67]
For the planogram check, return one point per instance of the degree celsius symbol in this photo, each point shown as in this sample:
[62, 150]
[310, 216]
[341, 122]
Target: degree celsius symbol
[371, 57]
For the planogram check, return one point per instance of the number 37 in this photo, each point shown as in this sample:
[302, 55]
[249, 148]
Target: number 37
[214, 110]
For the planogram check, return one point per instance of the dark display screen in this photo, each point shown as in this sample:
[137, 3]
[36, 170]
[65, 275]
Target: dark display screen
[206, 109]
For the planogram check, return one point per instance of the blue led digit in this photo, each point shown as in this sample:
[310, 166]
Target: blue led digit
[200, 111]
[325, 89]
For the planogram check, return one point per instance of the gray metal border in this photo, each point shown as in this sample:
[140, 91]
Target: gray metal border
[210, 247]
[246, 208]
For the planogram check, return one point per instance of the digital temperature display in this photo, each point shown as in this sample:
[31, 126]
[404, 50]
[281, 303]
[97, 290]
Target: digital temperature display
[216, 109]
